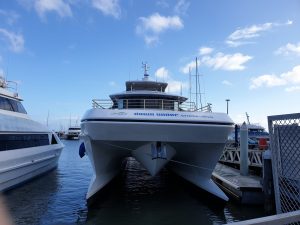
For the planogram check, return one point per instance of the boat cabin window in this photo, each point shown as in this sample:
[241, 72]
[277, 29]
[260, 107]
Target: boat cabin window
[71, 128]
[11, 105]
[164, 104]
[17, 141]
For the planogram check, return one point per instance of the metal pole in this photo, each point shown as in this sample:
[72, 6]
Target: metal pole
[244, 150]
[227, 100]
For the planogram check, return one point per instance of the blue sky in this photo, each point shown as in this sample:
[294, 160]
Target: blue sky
[64, 53]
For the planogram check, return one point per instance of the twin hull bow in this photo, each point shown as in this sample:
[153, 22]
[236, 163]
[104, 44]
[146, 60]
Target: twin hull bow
[189, 142]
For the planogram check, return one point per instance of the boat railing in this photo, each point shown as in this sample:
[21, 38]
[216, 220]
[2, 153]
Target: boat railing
[9, 85]
[162, 104]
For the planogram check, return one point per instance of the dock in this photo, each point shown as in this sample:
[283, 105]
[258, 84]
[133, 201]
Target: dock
[244, 189]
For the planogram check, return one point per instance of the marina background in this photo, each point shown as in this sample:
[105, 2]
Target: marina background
[65, 54]
[134, 198]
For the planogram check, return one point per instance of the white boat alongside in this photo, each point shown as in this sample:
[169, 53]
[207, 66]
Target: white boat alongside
[27, 148]
[73, 132]
[156, 128]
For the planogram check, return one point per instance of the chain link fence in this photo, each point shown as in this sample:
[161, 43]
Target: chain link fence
[285, 146]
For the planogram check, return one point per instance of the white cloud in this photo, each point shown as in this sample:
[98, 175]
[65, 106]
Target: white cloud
[157, 23]
[151, 39]
[289, 49]
[189, 66]
[266, 80]
[226, 62]
[205, 50]
[162, 73]
[250, 32]
[62, 8]
[239, 36]
[176, 86]
[10, 17]
[16, 41]
[150, 27]
[238, 43]
[292, 76]
[162, 3]
[108, 7]
[226, 82]
[289, 78]
[293, 89]
[220, 61]
[181, 7]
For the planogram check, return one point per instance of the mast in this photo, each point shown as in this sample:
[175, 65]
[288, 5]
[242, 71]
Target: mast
[196, 83]
[198, 86]
[190, 86]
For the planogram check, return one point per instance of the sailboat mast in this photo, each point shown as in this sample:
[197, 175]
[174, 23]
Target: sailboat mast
[190, 86]
[197, 83]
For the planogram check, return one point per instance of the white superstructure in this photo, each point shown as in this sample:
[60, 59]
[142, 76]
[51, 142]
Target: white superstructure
[27, 148]
[73, 132]
[157, 129]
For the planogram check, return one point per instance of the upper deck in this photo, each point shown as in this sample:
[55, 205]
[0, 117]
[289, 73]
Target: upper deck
[147, 94]
[147, 85]
[9, 100]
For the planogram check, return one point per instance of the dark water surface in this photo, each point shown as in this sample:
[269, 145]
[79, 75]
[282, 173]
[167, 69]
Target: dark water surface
[134, 198]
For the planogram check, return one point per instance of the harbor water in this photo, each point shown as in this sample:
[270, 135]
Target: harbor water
[135, 197]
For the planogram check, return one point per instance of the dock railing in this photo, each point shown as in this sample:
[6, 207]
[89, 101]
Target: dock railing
[285, 147]
[162, 104]
[232, 155]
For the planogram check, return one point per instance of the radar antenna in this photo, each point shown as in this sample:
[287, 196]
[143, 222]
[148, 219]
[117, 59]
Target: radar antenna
[146, 68]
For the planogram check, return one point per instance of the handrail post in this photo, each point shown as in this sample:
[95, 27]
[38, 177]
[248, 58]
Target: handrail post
[162, 104]
[144, 103]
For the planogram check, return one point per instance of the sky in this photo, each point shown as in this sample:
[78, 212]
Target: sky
[64, 53]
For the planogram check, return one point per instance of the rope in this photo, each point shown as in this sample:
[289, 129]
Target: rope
[171, 160]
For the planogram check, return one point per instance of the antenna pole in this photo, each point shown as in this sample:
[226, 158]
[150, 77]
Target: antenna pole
[197, 83]
[146, 68]
[247, 118]
[227, 100]
[70, 120]
[181, 89]
[48, 118]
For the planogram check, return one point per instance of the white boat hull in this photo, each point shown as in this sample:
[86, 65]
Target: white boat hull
[20, 165]
[192, 150]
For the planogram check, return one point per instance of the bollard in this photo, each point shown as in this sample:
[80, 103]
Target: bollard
[244, 150]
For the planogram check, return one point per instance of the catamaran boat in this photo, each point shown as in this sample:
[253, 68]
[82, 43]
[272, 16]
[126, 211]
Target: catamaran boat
[156, 128]
[27, 148]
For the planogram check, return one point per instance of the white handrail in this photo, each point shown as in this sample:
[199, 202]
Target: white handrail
[162, 104]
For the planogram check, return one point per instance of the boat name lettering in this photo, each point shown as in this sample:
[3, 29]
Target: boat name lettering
[166, 114]
[119, 113]
[155, 114]
[195, 116]
[143, 114]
